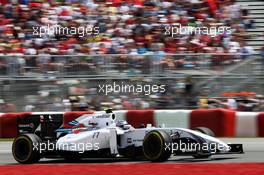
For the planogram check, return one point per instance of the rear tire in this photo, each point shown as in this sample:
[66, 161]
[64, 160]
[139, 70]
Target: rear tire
[205, 130]
[154, 146]
[23, 149]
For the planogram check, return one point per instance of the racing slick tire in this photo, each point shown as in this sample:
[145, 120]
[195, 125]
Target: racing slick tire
[23, 148]
[205, 130]
[155, 146]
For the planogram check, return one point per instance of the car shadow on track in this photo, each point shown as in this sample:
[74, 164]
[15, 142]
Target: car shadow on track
[193, 160]
[127, 161]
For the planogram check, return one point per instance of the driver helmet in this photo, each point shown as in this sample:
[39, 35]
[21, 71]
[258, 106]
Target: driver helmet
[121, 123]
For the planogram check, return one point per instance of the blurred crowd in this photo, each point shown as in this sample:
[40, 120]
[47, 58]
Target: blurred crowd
[237, 103]
[68, 95]
[83, 95]
[125, 26]
[132, 27]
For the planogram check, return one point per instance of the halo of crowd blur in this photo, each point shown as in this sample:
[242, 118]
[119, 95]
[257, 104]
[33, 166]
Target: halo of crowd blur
[131, 43]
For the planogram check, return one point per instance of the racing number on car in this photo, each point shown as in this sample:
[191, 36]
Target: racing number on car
[95, 135]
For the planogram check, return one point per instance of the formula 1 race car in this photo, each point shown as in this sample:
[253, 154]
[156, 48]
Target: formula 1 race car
[100, 135]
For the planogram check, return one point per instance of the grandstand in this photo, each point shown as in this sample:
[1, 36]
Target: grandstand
[124, 28]
[255, 11]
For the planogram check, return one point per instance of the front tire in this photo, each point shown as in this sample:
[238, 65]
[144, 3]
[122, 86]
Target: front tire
[155, 146]
[205, 130]
[23, 149]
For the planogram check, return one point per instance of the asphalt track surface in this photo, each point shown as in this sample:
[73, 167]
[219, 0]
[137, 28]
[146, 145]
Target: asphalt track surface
[253, 148]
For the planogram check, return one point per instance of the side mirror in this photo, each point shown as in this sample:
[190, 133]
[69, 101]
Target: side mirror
[113, 116]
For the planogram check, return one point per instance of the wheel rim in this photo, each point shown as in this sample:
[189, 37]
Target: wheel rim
[153, 146]
[22, 149]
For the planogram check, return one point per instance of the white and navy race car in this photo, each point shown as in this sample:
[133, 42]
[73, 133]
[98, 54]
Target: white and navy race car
[101, 135]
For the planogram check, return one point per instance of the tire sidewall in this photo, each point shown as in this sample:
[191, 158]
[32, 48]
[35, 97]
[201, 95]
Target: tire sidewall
[164, 138]
[33, 155]
[205, 130]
